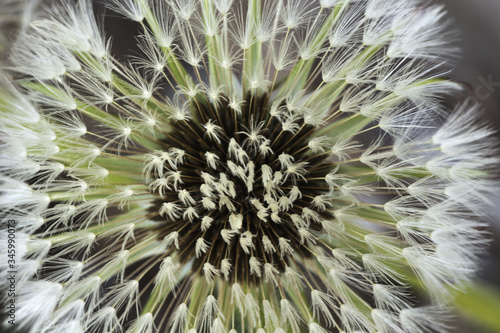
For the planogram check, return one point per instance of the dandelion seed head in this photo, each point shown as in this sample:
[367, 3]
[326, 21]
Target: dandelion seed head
[221, 180]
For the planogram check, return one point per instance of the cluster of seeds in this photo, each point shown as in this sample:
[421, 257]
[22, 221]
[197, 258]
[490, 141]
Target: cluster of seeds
[268, 167]
[248, 193]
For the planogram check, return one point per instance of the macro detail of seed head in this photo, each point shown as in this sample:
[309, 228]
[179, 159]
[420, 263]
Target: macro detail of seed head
[249, 191]
[254, 166]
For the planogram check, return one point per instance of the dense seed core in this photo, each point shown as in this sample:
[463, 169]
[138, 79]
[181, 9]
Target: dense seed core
[241, 191]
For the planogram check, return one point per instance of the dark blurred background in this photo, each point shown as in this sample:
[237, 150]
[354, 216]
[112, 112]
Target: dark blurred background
[479, 66]
[479, 24]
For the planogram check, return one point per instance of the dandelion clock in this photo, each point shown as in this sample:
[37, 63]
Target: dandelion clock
[257, 166]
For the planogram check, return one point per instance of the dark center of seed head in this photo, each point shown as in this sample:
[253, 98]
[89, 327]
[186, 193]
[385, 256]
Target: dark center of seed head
[240, 186]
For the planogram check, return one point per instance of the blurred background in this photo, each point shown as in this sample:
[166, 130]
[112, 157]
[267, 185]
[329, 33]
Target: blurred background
[479, 66]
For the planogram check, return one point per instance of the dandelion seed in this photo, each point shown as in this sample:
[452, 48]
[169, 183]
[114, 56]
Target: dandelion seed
[221, 179]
